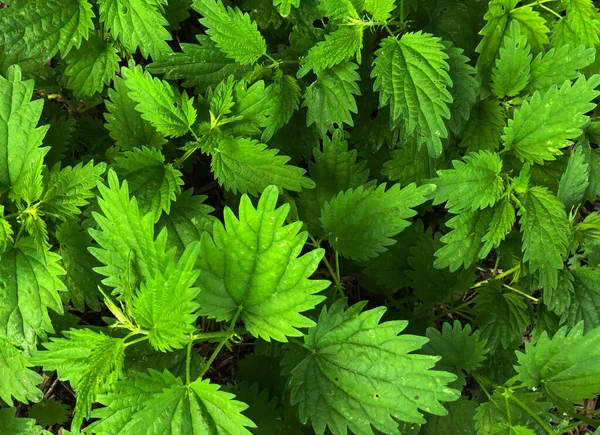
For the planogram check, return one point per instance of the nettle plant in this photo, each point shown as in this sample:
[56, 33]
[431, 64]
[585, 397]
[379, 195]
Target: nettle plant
[287, 217]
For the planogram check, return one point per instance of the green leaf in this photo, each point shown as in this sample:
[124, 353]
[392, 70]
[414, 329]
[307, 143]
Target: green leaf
[459, 420]
[127, 248]
[340, 10]
[125, 124]
[221, 99]
[464, 87]
[45, 26]
[30, 284]
[20, 150]
[558, 65]
[408, 165]
[165, 304]
[359, 372]
[463, 244]
[202, 65]
[197, 408]
[574, 182]
[412, 75]
[152, 182]
[334, 169]
[245, 45]
[512, 71]
[187, 220]
[252, 106]
[360, 222]
[240, 260]
[582, 302]
[18, 381]
[546, 230]
[338, 47]
[285, 6]
[247, 166]
[473, 184]
[501, 317]
[36, 227]
[263, 412]
[483, 130]
[92, 67]
[18, 426]
[503, 219]
[6, 234]
[504, 413]
[169, 111]
[580, 26]
[381, 10]
[49, 412]
[562, 365]
[78, 263]
[137, 23]
[559, 299]
[285, 96]
[330, 99]
[89, 360]
[458, 346]
[546, 123]
[70, 188]
[498, 19]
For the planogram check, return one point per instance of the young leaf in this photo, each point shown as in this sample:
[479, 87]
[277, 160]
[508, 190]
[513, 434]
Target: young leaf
[165, 304]
[70, 188]
[285, 94]
[172, 407]
[359, 372]
[6, 234]
[338, 46]
[252, 106]
[503, 219]
[501, 317]
[20, 149]
[127, 248]
[92, 67]
[152, 182]
[360, 222]
[330, 99]
[473, 184]
[463, 244]
[245, 45]
[30, 284]
[137, 23]
[247, 166]
[562, 365]
[558, 65]
[169, 111]
[545, 229]
[512, 71]
[237, 265]
[546, 123]
[18, 381]
[45, 26]
[381, 10]
[125, 124]
[411, 73]
[580, 26]
[483, 130]
[202, 65]
[458, 346]
[574, 182]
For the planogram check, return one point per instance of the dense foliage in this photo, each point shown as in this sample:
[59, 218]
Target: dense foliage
[299, 216]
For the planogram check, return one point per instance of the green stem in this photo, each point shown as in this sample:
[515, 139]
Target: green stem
[584, 419]
[452, 310]
[335, 276]
[386, 27]
[522, 293]
[205, 336]
[137, 340]
[496, 277]
[550, 10]
[224, 340]
[188, 360]
[531, 412]
[478, 380]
